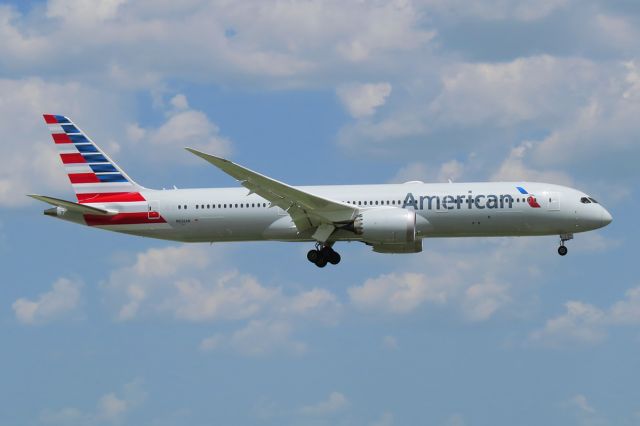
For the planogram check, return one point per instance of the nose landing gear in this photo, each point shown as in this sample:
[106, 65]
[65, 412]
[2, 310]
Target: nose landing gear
[322, 255]
[562, 250]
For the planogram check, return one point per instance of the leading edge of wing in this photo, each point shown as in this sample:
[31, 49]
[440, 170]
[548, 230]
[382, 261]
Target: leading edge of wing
[289, 198]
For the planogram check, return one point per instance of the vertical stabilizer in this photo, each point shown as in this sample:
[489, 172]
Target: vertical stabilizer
[93, 175]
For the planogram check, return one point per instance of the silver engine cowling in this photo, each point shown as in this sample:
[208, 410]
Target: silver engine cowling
[386, 225]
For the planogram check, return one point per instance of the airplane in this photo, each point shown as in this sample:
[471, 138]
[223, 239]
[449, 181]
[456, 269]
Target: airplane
[391, 218]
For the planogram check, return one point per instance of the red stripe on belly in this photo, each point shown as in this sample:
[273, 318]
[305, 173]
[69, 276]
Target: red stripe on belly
[121, 219]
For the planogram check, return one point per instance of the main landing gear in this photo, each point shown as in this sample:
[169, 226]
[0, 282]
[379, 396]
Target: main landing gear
[322, 255]
[562, 250]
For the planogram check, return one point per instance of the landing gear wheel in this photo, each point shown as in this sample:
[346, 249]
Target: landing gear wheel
[333, 257]
[562, 250]
[321, 262]
[313, 256]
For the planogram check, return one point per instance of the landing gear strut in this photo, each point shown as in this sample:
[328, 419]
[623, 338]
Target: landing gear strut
[562, 250]
[322, 255]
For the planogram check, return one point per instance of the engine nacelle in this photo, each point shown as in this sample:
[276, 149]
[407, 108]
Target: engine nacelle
[386, 225]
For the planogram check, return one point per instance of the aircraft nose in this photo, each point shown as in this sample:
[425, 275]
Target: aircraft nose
[606, 217]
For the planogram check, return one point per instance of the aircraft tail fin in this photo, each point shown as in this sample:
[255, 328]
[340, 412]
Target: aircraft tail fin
[92, 173]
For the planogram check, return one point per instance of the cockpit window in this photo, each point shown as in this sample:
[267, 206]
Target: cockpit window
[585, 200]
[593, 200]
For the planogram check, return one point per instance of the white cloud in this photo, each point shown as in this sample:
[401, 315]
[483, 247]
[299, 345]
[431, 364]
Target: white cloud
[584, 412]
[361, 100]
[229, 296]
[276, 42]
[264, 337]
[62, 299]
[493, 10]
[451, 170]
[481, 301]
[588, 324]
[397, 293]
[184, 127]
[134, 284]
[509, 93]
[386, 419]
[258, 338]
[582, 323]
[513, 168]
[191, 283]
[179, 102]
[83, 12]
[334, 403]
[580, 401]
[111, 408]
[34, 165]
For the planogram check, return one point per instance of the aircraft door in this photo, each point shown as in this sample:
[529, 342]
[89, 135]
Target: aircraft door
[152, 212]
[553, 201]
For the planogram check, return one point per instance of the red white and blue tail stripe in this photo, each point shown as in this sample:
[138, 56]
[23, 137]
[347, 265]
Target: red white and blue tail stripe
[98, 181]
[93, 175]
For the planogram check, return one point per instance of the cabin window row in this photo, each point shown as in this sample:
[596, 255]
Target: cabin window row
[223, 206]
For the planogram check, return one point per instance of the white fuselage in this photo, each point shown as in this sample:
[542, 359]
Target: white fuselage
[442, 210]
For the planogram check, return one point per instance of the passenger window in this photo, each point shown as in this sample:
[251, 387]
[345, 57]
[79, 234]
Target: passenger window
[196, 206]
[179, 207]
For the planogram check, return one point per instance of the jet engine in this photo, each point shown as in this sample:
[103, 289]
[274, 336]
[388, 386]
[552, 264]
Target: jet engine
[386, 225]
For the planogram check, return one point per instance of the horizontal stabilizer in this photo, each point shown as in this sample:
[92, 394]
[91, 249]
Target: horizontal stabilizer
[71, 206]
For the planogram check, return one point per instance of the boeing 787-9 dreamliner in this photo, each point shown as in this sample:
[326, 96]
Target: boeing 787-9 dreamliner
[391, 218]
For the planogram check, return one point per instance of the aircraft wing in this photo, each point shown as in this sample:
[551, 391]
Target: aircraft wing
[307, 210]
[71, 206]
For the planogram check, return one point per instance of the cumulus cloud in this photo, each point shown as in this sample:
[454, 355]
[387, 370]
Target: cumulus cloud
[83, 11]
[246, 40]
[361, 100]
[583, 323]
[386, 419]
[184, 127]
[111, 408]
[397, 293]
[494, 10]
[473, 278]
[514, 168]
[33, 165]
[584, 412]
[63, 298]
[334, 403]
[259, 337]
[191, 283]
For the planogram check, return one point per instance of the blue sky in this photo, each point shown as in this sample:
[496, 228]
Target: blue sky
[106, 329]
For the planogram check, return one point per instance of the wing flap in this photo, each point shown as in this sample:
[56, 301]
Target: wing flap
[71, 206]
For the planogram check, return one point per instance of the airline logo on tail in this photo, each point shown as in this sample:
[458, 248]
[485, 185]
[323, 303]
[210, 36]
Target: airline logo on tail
[93, 175]
[531, 199]
[97, 180]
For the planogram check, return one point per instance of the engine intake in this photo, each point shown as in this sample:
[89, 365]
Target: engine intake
[386, 225]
